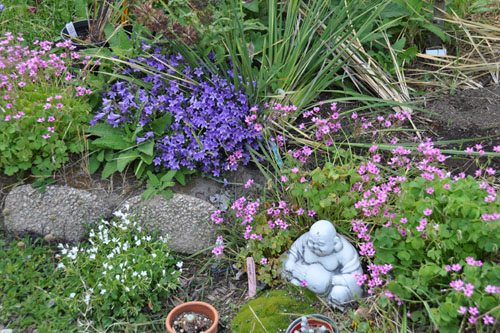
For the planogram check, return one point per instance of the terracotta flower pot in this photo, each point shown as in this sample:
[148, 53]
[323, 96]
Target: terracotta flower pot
[314, 321]
[198, 307]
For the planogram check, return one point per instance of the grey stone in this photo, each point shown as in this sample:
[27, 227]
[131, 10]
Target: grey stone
[6, 330]
[183, 218]
[60, 211]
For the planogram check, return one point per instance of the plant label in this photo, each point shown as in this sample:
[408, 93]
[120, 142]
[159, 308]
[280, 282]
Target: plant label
[70, 28]
[252, 280]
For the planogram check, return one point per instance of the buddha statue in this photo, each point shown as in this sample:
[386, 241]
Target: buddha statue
[325, 262]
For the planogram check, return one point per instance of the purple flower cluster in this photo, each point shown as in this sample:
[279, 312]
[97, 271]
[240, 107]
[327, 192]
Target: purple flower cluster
[207, 129]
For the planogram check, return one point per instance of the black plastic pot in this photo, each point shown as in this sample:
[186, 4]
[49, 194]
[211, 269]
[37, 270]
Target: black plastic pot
[82, 29]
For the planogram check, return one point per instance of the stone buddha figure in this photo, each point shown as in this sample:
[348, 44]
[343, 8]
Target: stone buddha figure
[325, 262]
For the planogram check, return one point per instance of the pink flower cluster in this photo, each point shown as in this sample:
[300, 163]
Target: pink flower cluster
[374, 279]
[474, 312]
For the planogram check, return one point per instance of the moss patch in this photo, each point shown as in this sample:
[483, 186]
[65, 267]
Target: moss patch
[275, 309]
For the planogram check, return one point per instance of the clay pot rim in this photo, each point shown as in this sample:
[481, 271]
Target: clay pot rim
[194, 306]
[315, 319]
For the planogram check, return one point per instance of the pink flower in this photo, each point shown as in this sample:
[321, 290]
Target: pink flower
[311, 212]
[473, 311]
[304, 283]
[249, 183]
[59, 105]
[496, 149]
[463, 310]
[429, 190]
[46, 136]
[50, 129]
[58, 97]
[21, 84]
[427, 212]
[300, 211]
[295, 170]
[263, 261]
[51, 118]
[40, 120]
[284, 178]
[446, 186]
[47, 106]
[354, 115]
[456, 267]
[258, 127]
[472, 319]
[488, 320]
[303, 180]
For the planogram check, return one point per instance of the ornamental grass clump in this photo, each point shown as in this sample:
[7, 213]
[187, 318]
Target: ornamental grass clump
[43, 109]
[122, 270]
[194, 115]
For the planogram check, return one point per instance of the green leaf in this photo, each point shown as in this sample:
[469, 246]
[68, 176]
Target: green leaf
[251, 6]
[125, 158]
[146, 195]
[404, 255]
[159, 125]
[168, 194]
[109, 168]
[436, 30]
[94, 163]
[104, 130]
[168, 176]
[113, 141]
[179, 176]
[147, 148]
[153, 180]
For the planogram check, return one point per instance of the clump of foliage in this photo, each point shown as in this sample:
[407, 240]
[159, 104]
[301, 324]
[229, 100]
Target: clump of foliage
[433, 242]
[119, 272]
[157, 21]
[172, 116]
[28, 289]
[42, 108]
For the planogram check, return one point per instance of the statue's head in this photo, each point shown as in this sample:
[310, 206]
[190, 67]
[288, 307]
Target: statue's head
[323, 239]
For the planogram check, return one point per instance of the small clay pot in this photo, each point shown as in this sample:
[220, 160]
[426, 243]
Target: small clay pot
[315, 320]
[195, 306]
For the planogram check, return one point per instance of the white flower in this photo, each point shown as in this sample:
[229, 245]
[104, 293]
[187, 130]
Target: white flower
[179, 264]
[117, 276]
[127, 289]
[72, 295]
[60, 265]
[110, 267]
[103, 291]
[143, 273]
[163, 272]
[153, 255]
[111, 255]
[105, 265]
[135, 274]
[92, 256]
[138, 243]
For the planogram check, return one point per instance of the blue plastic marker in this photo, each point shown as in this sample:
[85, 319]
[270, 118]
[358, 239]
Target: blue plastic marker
[276, 153]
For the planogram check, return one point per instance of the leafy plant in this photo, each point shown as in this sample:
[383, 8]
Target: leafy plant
[189, 118]
[27, 288]
[42, 116]
[122, 270]
[159, 184]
